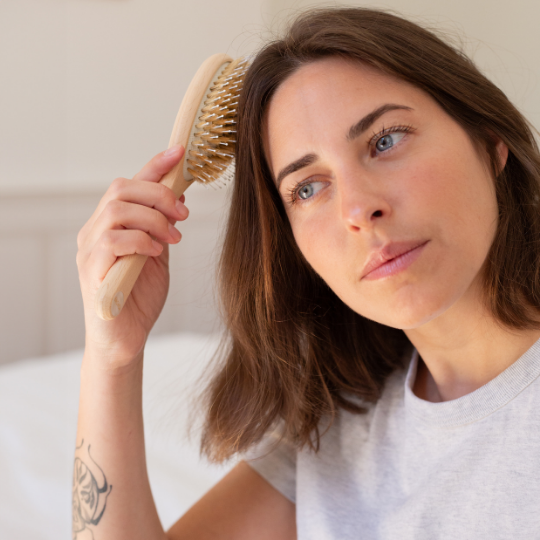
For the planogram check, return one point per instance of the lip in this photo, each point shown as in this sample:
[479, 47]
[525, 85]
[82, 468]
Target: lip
[392, 258]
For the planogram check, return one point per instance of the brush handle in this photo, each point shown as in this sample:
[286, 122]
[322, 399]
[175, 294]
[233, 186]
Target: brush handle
[121, 277]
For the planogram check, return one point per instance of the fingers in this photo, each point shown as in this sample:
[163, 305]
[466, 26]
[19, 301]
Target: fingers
[144, 189]
[161, 164]
[121, 215]
[148, 194]
[113, 244]
[131, 216]
[134, 205]
[141, 195]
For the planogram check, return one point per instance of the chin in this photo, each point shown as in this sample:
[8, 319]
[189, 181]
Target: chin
[410, 314]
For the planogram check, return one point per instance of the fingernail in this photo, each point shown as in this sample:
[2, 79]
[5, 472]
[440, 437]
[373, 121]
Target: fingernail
[172, 150]
[181, 209]
[174, 232]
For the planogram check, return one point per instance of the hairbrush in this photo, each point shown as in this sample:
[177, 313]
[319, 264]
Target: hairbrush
[206, 127]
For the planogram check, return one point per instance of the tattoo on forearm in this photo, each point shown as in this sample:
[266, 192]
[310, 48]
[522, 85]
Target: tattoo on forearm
[90, 492]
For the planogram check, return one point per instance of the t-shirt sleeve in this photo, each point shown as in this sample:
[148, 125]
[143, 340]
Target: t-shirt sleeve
[276, 463]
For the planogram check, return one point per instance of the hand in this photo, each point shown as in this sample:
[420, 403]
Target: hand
[130, 213]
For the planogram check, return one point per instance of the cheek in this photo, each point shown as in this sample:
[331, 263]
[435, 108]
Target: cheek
[456, 196]
[426, 187]
[309, 233]
[321, 242]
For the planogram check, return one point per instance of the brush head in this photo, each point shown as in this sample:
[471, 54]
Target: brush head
[212, 141]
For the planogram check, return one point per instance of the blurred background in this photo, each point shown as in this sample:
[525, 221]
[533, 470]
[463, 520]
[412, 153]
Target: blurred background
[89, 92]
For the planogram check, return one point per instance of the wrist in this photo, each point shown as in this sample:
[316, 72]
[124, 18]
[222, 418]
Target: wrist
[110, 362]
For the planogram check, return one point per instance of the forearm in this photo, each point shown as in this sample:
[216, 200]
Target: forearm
[111, 491]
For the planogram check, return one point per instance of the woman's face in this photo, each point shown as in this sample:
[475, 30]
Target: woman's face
[365, 161]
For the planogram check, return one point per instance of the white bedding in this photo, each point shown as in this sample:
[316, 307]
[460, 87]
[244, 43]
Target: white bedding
[38, 417]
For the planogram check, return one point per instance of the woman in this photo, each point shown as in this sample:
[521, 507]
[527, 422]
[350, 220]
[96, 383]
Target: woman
[379, 280]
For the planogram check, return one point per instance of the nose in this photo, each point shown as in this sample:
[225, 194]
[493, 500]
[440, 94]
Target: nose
[362, 207]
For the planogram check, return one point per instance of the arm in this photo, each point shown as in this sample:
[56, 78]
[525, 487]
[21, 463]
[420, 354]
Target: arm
[111, 493]
[242, 506]
[112, 499]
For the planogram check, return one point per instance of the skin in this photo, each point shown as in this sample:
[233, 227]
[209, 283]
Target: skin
[433, 184]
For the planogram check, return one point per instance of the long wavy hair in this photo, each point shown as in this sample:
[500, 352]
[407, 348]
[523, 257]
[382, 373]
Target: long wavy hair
[295, 353]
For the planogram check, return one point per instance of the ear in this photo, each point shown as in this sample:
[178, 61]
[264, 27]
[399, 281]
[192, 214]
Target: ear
[502, 152]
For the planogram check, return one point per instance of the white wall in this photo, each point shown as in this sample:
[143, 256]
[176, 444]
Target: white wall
[90, 88]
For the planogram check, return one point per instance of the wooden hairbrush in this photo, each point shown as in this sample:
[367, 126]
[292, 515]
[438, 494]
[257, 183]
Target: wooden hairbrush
[206, 127]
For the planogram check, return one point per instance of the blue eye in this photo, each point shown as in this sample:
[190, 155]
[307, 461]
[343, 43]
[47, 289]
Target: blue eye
[306, 191]
[388, 140]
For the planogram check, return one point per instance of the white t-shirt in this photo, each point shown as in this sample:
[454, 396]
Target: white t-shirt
[410, 469]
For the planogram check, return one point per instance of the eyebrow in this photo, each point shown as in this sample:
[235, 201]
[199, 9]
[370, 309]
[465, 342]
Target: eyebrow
[304, 161]
[368, 120]
[355, 131]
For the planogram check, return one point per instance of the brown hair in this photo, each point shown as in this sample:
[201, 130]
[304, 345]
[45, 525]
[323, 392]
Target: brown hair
[296, 353]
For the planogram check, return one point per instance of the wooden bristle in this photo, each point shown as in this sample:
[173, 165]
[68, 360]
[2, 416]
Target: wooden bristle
[210, 155]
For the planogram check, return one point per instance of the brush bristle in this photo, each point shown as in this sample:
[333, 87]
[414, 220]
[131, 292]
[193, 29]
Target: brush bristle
[210, 155]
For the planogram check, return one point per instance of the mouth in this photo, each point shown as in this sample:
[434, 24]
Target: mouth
[378, 268]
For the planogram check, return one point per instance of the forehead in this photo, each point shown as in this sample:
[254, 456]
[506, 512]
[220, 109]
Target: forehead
[337, 79]
[322, 99]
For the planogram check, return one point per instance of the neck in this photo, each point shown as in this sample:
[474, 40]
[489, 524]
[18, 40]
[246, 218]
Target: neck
[463, 350]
